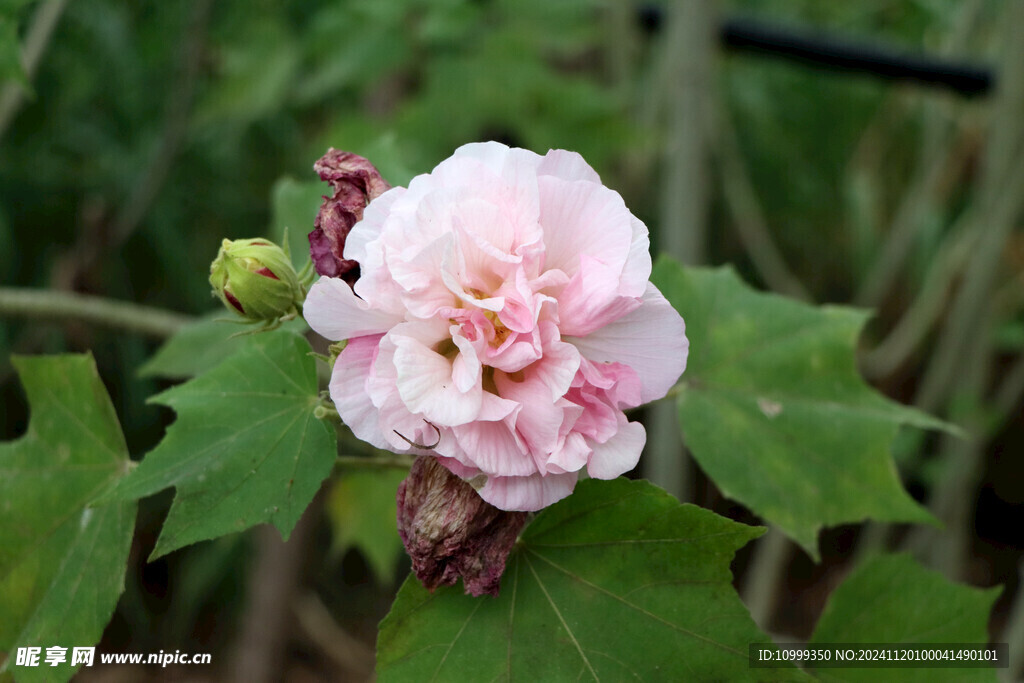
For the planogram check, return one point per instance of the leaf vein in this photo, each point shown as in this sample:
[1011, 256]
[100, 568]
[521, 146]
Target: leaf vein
[651, 615]
[558, 613]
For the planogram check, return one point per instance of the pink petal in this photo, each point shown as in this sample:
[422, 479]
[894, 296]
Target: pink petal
[583, 218]
[527, 493]
[394, 417]
[457, 468]
[495, 449]
[348, 389]
[514, 169]
[621, 383]
[518, 351]
[651, 340]
[571, 456]
[540, 418]
[559, 364]
[592, 299]
[618, 454]
[425, 378]
[637, 269]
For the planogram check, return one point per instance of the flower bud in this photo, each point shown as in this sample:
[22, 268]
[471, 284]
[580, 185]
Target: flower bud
[355, 183]
[255, 279]
[449, 531]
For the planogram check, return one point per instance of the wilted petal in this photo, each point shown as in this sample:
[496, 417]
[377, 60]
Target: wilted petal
[451, 533]
[354, 184]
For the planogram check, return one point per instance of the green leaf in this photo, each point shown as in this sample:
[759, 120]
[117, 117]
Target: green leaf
[202, 346]
[245, 448]
[294, 206]
[62, 562]
[616, 582]
[362, 510]
[775, 412]
[892, 599]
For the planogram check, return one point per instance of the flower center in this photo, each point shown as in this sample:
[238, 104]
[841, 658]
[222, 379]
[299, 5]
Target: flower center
[447, 348]
[500, 331]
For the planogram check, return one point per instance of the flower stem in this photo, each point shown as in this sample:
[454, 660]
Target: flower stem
[403, 462]
[123, 315]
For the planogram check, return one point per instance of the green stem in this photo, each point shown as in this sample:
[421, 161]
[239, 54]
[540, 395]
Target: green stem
[748, 217]
[686, 75]
[999, 204]
[1013, 633]
[402, 462]
[123, 315]
[12, 96]
[928, 306]
[761, 583]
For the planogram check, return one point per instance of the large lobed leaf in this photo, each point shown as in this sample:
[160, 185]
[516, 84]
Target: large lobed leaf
[892, 599]
[616, 582]
[775, 412]
[203, 345]
[62, 561]
[246, 447]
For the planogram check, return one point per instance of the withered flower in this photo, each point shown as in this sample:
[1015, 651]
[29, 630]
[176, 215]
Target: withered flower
[355, 183]
[450, 532]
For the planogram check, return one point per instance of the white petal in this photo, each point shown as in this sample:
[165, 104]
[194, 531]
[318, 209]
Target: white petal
[637, 269]
[336, 313]
[567, 166]
[466, 367]
[494, 448]
[369, 229]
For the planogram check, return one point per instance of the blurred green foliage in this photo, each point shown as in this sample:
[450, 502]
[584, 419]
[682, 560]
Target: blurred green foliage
[275, 85]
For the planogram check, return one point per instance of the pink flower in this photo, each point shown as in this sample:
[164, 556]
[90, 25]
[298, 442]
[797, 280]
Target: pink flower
[504, 312]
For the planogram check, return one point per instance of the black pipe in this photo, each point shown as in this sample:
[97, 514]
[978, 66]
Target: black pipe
[747, 35]
[879, 60]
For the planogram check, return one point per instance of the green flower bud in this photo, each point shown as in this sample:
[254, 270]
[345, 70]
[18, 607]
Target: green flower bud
[255, 279]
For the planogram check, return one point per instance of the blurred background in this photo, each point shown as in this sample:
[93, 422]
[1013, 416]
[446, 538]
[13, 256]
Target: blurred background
[134, 136]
